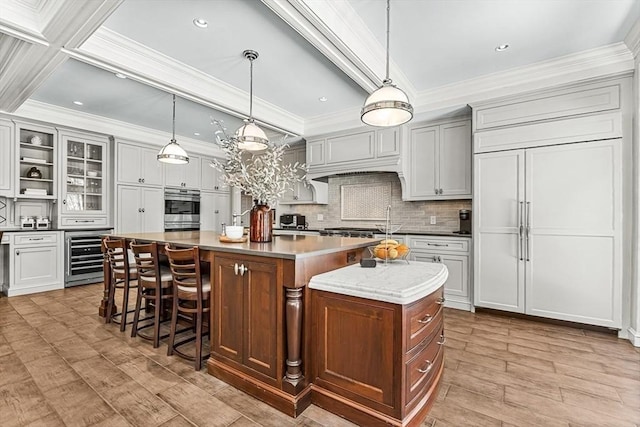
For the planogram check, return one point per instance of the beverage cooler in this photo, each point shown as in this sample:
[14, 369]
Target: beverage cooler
[83, 257]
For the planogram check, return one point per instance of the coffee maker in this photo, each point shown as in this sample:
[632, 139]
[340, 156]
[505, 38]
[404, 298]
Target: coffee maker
[465, 221]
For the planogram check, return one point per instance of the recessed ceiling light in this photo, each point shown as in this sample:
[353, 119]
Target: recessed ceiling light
[502, 47]
[322, 99]
[77, 102]
[200, 23]
[196, 133]
[121, 76]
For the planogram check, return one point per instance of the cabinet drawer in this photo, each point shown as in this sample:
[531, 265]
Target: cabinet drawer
[422, 368]
[422, 318]
[31, 239]
[439, 244]
[79, 221]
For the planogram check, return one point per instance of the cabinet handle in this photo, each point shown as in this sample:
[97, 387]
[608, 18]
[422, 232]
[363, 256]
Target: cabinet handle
[528, 230]
[440, 300]
[216, 211]
[427, 369]
[520, 229]
[235, 268]
[243, 269]
[442, 340]
[426, 319]
[35, 239]
[438, 244]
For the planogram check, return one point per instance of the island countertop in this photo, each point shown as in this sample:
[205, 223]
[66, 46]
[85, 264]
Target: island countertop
[395, 282]
[286, 247]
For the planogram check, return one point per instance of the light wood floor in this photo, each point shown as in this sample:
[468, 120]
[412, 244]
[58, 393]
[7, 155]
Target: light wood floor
[61, 366]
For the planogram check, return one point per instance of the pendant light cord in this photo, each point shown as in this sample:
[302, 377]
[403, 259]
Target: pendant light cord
[173, 139]
[388, 24]
[251, 90]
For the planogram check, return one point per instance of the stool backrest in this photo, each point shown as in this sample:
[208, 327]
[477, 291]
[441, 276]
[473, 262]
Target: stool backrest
[147, 261]
[116, 254]
[185, 267]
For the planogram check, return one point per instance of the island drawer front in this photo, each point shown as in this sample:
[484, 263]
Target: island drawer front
[441, 245]
[86, 222]
[423, 367]
[422, 318]
[35, 238]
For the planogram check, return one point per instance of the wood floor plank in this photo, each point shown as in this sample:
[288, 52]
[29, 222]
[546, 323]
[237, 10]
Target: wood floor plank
[608, 407]
[477, 358]
[149, 374]
[50, 372]
[447, 413]
[557, 357]
[509, 356]
[475, 384]
[138, 405]
[22, 403]
[603, 378]
[77, 404]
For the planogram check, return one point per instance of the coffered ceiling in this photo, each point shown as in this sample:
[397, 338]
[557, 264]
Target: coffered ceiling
[443, 55]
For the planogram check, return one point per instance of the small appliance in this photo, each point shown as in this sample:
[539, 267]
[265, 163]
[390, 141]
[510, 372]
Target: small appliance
[465, 221]
[293, 221]
[43, 223]
[27, 223]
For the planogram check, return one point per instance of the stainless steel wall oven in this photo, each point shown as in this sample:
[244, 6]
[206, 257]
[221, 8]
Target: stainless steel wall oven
[83, 257]
[181, 209]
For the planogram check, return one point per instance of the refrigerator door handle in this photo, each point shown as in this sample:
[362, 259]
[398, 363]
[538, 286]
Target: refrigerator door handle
[520, 230]
[528, 231]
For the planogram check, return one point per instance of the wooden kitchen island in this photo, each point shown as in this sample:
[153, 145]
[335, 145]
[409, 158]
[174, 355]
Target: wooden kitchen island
[262, 318]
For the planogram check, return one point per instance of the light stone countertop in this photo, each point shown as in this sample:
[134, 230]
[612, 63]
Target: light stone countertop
[396, 282]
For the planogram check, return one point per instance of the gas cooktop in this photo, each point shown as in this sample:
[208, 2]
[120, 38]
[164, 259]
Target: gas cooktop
[349, 232]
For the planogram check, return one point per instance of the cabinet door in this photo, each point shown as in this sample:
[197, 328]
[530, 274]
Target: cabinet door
[358, 146]
[303, 190]
[152, 170]
[192, 173]
[388, 142]
[574, 246]
[422, 160]
[208, 176]
[152, 202]
[128, 218]
[498, 213]
[315, 153]
[129, 161]
[458, 265]
[35, 266]
[208, 218]
[289, 157]
[6, 157]
[228, 301]
[454, 154]
[261, 317]
[174, 175]
[222, 210]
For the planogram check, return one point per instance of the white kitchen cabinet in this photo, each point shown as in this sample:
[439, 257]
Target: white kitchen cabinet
[36, 261]
[140, 209]
[301, 192]
[439, 161]
[86, 179]
[6, 157]
[36, 173]
[184, 176]
[211, 178]
[138, 165]
[548, 232]
[215, 209]
[454, 252]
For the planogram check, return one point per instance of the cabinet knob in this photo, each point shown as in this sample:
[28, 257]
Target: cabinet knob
[139, 210]
[17, 252]
[142, 209]
[243, 269]
[426, 319]
[143, 180]
[140, 180]
[64, 201]
[235, 268]
[442, 340]
[440, 300]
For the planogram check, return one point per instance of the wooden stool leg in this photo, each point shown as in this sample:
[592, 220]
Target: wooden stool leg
[110, 300]
[136, 313]
[174, 322]
[199, 336]
[125, 305]
[156, 317]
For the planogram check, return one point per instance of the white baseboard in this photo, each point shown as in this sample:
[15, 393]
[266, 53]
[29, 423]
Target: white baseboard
[34, 289]
[458, 305]
[634, 337]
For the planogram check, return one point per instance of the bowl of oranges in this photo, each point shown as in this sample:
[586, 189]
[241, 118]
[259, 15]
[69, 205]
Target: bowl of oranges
[390, 250]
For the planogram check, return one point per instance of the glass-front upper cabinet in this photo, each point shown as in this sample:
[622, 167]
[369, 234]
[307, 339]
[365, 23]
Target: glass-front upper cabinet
[84, 166]
[37, 161]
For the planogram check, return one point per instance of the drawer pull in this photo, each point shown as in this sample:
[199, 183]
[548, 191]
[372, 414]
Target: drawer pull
[437, 244]
[440, 300]
[426, 319]
[35, 239]
[442, 340]
[427, 369]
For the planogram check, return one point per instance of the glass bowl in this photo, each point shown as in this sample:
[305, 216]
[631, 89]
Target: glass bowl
[392, 228]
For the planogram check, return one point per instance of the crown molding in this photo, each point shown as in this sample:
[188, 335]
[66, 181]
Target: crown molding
[632, 40]
[609, 60]
[338, 32]
[22, 20]
[112, 51]
[64, 117]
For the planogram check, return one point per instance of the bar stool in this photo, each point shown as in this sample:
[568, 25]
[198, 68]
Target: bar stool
[121, 276]
[191, 296]
[154, 285]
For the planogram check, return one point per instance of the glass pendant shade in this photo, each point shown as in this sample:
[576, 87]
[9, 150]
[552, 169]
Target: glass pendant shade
[173, 153]
[387, 106]
[251, 137]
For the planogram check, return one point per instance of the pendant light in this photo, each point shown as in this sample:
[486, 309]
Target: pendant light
[388, 105]
[172, 152]
[250, 137]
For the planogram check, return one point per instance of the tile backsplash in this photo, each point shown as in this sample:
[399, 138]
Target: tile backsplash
[414, 216]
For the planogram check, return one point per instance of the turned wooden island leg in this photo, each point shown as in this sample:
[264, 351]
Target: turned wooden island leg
[106, 268]
[293, 375]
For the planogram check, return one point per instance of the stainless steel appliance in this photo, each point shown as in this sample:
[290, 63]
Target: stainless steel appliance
[349, 232]
[465, 221]
[181, 209]
[83, 257]
[293, 221]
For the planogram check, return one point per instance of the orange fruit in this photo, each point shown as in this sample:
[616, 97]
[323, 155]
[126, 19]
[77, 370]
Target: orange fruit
[402, 249]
